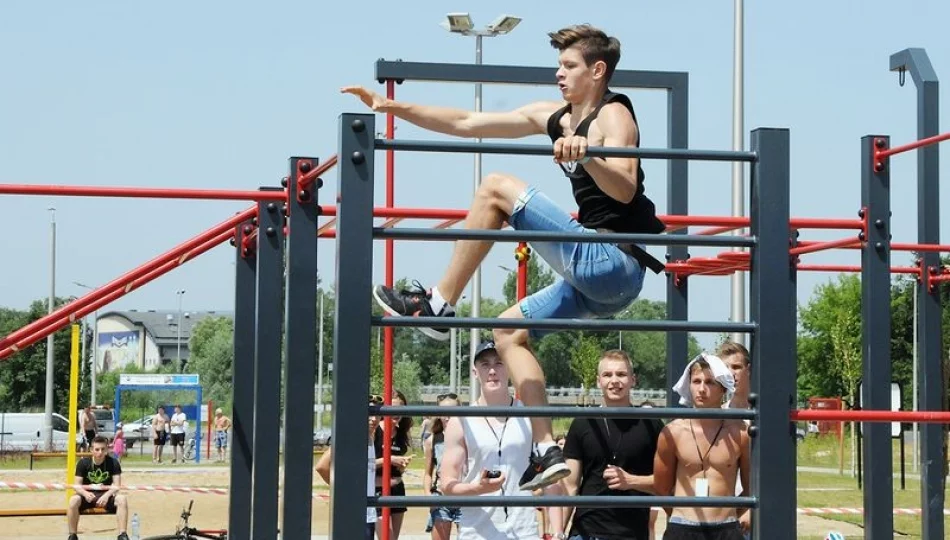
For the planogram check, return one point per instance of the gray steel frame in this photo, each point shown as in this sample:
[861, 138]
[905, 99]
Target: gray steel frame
[929, 340]
[677, 180]
[876, 331]
[300, 350]
[242, 392]
[267, 368]
[773, 288]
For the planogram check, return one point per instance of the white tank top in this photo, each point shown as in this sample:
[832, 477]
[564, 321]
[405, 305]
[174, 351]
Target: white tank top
[483, 439]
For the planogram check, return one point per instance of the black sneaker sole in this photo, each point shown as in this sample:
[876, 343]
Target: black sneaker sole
[429, 332]
[549, 476]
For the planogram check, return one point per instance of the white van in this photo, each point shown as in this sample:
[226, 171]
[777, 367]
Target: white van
[24, 432]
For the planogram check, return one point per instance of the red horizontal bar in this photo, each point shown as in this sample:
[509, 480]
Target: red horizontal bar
[939, 278]
[717, 230]
[822, 223]
[64, 320]
[852, 268]
[920, 417]
[820, 246]
[933, 248]
[315, 173]
[123, 280]
[882, 154]
[142, 193]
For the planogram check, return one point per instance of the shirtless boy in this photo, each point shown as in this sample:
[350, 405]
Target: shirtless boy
[702, 457]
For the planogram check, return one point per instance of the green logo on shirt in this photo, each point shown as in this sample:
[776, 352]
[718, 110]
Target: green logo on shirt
[97, 476]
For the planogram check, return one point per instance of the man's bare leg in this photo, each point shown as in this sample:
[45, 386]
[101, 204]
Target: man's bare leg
[525, 372]
[493, 204]
[72, 514]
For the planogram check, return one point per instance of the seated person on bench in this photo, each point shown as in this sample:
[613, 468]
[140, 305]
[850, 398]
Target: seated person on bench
[98, 481]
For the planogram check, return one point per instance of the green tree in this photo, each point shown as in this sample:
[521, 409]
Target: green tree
[830, 312]
[212, 357]
[584, 359]
[539, 277]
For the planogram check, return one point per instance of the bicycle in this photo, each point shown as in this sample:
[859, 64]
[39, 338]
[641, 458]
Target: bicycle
[186, 532]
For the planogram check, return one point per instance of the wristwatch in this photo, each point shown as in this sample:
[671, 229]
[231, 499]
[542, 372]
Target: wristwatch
[560, 536]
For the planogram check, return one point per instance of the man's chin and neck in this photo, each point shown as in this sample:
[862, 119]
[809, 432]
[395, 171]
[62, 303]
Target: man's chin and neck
[616, 402]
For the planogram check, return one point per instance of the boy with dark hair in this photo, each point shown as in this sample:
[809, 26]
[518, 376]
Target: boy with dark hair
[97, 484]
[596, 279]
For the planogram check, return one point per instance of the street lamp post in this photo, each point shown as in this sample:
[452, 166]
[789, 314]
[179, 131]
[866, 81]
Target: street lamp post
[50, 342]
[93, 367]
[461, 23]
[181, 294]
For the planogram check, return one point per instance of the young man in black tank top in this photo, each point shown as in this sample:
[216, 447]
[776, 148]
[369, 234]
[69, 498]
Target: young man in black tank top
[596, 280]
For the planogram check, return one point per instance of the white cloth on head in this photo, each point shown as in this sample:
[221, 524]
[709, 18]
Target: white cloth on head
[720, 372]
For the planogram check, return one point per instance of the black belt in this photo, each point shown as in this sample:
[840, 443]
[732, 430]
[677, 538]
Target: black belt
[640, 255]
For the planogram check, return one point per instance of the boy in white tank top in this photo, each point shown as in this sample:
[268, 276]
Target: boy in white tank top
[484, 456]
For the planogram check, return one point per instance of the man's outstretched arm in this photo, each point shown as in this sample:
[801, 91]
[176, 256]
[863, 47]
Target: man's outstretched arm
[528, 120]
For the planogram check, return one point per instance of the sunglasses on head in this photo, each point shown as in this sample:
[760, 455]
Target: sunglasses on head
[450, 395]
[374, 398]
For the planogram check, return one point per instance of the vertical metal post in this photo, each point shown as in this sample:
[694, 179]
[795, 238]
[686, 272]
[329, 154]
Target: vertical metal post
[267, 368]
[320, 367]
[300, 350]
[738, 132]
[773, 345]
[51, 339]
[677, 190]
[876, 342]
[242, 386]
[930, 374]
[474, 338]
[352, 325]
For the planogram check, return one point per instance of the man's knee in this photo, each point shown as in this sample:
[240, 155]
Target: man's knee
[501, 189]
[74, 502]
[121, 501]
[507, 338]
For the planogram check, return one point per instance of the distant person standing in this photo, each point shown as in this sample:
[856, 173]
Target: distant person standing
[88, 422]
[160, 434]
[177, 430]
[222, 424]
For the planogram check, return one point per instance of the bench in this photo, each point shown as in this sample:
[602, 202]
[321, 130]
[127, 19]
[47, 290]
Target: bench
[32, 512]
[37, 455]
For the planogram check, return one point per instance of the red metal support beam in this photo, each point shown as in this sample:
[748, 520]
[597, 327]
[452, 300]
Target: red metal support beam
[142, 193]
[821, 246]
[123, 280]
[825, 415]
[880, 155]
[306, 179]
[63, 317]
[388, 331]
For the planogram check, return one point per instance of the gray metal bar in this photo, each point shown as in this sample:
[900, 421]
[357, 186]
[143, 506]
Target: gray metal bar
[564, 412]
[930, 373]
[583, 501]
[300, 350]
[352, 325]
[518, 75]
[556, 236]
[267, 367]
[242, 388]
[677, 193]
[876, 342]
[774, 344]
[405, 145]
[565, 324]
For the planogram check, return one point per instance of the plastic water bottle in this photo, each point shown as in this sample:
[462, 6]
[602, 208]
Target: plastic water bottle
[135, 527]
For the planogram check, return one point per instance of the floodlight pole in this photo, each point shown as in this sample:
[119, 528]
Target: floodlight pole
[477, 277]
[738, 181]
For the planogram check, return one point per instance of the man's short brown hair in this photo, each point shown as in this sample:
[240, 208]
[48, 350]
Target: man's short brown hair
[616, 354]
[730, 348]
[99, 439]
[594, 45]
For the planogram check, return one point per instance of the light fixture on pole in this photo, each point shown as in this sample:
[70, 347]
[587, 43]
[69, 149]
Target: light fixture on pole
[94, 368]
[461, 23]
[181, 294]
[50, 342]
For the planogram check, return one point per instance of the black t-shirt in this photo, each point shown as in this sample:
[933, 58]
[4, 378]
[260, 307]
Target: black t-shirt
[596, 209]
[98, 474]
[627, 443]
[399, 447]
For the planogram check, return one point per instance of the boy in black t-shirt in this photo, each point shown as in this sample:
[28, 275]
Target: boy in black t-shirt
[97, 484]
[611, 457]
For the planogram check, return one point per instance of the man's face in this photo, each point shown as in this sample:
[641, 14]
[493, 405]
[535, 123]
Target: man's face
[177, 410]
[740, 371]
[575, 79]
[706, 391]
[491, 371]
[614, 379]
[161, 410]
[99, 451]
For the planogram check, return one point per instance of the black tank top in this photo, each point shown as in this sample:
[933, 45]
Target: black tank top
[596, 209]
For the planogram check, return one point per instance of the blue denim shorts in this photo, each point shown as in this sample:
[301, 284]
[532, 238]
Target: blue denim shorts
[451, 515]
[596, 280]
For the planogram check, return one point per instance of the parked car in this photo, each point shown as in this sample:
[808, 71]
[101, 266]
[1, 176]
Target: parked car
[25, 432]
[138, 430]
[105, 420]
[321, 437]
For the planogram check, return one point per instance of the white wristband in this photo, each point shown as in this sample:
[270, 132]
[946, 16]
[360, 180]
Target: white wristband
[583, 160]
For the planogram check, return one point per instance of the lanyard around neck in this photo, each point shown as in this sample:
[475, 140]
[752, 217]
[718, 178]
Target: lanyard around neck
[702, 457]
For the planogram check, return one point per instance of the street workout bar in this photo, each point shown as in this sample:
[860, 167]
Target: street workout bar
[566, 324]
[581, 501]
[142, 193]
[888, 152]
[546, 150]
[920, 417]
[550, 411]
[556, 236]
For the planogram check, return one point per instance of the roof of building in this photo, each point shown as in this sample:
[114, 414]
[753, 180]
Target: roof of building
[162, 325]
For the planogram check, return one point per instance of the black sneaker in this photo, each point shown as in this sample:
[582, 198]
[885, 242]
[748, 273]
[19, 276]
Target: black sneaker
[412, 302]
[544, 470]
[72, 536]
[122, 536]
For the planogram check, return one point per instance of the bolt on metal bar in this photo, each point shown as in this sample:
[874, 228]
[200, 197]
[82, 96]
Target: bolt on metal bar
[582, 501]
[547, 150]
[555, 236]
[551, 411]
[566, 324]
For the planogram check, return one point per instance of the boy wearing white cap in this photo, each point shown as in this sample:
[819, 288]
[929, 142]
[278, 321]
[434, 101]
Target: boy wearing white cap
[702, 457]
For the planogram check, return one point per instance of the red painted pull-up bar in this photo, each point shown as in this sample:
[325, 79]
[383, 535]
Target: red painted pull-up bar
[888, 152]
[176, 255]
[921, 417]
[142, 193]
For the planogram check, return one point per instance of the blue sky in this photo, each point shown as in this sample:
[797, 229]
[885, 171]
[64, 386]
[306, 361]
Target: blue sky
[219, 94]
